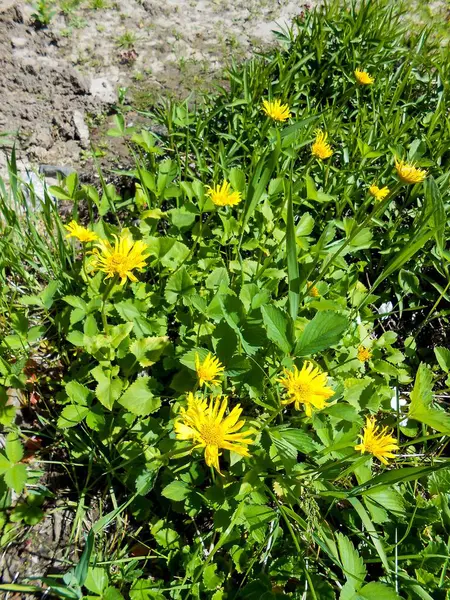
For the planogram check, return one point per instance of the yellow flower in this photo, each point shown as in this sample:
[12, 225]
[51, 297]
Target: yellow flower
[204, 423]
[80, 232]
[378, 442]
[275, 110]
[364, 354]
[379, 193]
[120, 259]
[308, 387]
[222, 195]
[363, 77]
[321, 148]
[312, 290]
[409, 173]
[209, 370]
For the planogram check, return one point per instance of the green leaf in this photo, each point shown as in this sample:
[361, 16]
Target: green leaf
[78, 393]
[300, 440]
[177, 490]
[13, 449]
[179, 285]
[16, 477]
[376, 591]
[210, 578]
[291, 257]
[443, 358]
[96, 580]
[438, 214]
[138, 398]
[7, 412]
[145, 589]
[119, 333]
[72, 415]
[112, 593]
[148, 350]
[108, 389]
[323, 331]
[277, 327]
[421, 408]
[352, 564]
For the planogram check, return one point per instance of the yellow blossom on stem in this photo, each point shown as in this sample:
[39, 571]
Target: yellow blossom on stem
[364, 354]
[313, 292]
[80, 232]
[378, 442]
[222, 195]
[320, 148]
[379, 193]
[307, 387]
[209, 370]
[204, 422]
[120, 259]
[275, 110]
[409, 173]
[363, 77]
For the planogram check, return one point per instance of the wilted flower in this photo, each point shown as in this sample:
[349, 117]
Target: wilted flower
[275, 110]
[363, 77]
[120, 259]
[379, 193]
[321, 149]
[209, 370]
[222, 195]
[307, 387]
[378, 442]
[80, 232]
[409, 173]
[204, 423]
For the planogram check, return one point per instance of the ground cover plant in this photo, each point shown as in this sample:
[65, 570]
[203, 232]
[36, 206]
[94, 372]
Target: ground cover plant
[240, 369]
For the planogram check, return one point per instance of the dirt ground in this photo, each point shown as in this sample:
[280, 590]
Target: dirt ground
[59, 83]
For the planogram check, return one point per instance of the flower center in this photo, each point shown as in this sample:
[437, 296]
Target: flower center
[211, 434]
[205, 373]
[118, 262]
[301, 391]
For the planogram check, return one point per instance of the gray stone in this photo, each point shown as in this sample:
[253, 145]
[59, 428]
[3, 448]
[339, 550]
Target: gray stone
[19, 42]
[102, 89]
[81, 129]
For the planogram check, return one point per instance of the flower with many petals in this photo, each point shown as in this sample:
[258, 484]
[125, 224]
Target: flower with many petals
[222, 195]
[379, 193]
[409, 173]
[120, 259]
[307, 387]
[363, 77]
[204, 422]
[209, 370]
[321, 148]
[275, 110]
[80, 232]
[364, 354]
[378, 442]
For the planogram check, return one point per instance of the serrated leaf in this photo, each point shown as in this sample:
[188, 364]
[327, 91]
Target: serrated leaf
[148, 350]
[13, 449]
[7, 412]
[352, 564]
[323, 331]
[72, 415]
[108, 389]
[78, 393]
[210, 577]
[179, 285]
[277, 327]
[16, 477]
[139, 399]
[443, 358]
[376, 591]
[421, 408]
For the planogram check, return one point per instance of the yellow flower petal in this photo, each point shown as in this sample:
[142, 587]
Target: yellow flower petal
[363, 77]
[222, 195]
[409, 173]
[307, 388]
[275, 110]
[378, 442]
[120, 259]
[321, 149]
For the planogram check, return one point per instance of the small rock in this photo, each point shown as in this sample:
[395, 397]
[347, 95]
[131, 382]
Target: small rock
[19, 42]
[81, 129]
[102, 89]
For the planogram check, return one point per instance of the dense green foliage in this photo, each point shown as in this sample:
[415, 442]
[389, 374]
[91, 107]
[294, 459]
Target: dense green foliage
[307, 267]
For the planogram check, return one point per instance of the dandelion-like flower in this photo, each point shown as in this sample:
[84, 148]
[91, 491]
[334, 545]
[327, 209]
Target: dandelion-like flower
[80, 232]
[364, 354]
[307, 387]
[121, 258]
[409, 173]
[204, 422]
[363, 77]
[222, 195]
[209, 370]
[378, 442]
[379, 193]
[313, 292]
[275, 110]
[321, 148]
